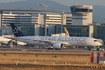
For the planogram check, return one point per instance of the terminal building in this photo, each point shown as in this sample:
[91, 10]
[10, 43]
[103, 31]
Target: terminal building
[78, 23]
[37, 22]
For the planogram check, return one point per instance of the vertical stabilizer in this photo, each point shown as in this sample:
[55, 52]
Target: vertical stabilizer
[16, 30]
[66, 32]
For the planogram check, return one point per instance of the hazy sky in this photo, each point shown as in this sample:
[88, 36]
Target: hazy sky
[71, 2]
[78, 2]
[81, 2]
[4, 1]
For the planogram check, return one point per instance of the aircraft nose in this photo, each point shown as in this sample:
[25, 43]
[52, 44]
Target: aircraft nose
[100, 44]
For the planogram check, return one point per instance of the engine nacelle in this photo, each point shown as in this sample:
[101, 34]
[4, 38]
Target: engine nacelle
[57, 45]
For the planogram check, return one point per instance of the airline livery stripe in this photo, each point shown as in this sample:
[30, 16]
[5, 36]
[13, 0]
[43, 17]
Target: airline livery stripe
[63, 39]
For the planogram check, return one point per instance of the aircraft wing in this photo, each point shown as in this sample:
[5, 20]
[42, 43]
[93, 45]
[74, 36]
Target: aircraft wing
[29, 39]
[13, 38]
[49, 42]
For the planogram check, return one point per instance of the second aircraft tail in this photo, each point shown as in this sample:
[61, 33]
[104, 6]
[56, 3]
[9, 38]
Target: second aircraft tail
[66, 32]
[16, 30]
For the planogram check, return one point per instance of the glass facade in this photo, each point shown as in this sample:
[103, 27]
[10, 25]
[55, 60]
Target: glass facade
[58, 28]
[81, 10]
[77, 31]
[42, 31]
[73, 30]
[28, 30]
[0, 32]
[99, 32]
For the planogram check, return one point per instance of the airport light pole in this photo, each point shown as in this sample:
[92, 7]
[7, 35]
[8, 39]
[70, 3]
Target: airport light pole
[45, 7]
[62, 22]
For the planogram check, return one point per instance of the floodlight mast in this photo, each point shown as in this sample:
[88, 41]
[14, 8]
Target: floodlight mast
[43, 5]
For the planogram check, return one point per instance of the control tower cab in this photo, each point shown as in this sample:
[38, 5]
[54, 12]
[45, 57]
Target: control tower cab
[81, 14]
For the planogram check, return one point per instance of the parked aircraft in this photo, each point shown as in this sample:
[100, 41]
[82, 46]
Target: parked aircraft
[57, 42]
[4, 40]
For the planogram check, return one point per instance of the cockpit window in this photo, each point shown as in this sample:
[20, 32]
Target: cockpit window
[95, 40]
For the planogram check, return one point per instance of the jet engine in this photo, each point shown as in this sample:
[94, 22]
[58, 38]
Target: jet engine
[57, 45]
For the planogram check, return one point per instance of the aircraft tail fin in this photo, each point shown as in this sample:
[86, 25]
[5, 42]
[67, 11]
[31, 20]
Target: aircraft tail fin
[16, 30]
[66, 32]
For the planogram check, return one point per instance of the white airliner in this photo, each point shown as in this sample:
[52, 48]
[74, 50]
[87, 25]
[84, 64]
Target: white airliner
[4, 40]
[55, 42]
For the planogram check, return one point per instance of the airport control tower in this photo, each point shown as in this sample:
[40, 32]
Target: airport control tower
[81, 14]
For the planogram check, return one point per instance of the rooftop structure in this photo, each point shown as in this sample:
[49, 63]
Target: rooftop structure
[81, 14]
